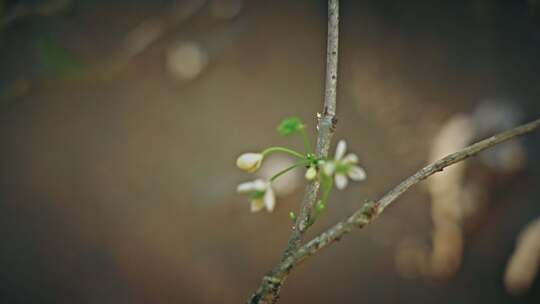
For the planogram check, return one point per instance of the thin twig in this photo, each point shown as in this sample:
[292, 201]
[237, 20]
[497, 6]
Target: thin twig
[268, 291]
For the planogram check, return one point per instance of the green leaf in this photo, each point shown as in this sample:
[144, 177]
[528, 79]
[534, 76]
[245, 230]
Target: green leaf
[290, 125]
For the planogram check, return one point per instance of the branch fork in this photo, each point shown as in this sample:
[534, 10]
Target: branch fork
[297, 251]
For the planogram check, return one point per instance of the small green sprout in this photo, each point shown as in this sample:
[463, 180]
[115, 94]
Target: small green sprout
[290, 125]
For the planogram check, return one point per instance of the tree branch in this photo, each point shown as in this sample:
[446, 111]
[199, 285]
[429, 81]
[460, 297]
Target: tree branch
[295, 253]
[326, 126]
[370, 210]
[268, 291]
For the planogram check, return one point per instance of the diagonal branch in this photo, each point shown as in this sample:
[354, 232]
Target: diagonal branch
[367, 213]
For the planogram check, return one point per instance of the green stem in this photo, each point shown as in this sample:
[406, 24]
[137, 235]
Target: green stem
[327, 182]
[284, 150]
[307, 144]
[327, 188]
[280, 173]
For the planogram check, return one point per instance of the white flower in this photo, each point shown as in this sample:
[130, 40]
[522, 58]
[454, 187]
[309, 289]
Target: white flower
[262, 194]
[344, 166]
[249, 162]
[329, 167]
[311, 173]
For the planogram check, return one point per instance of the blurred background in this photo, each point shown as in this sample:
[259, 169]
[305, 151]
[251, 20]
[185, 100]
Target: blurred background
[120, 123]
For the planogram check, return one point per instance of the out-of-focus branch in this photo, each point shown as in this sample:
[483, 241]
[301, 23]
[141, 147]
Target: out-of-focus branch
[137, 41]
[23, 10]
[151, 30]
[268, 291]
[525, 261]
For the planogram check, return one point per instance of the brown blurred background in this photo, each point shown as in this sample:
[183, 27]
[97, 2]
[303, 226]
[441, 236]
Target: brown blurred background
[120, 122]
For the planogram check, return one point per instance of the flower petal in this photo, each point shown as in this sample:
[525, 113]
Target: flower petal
[350, 158]
[357, 173]
[257, 205]
[260, 185]
[245, 187]
[269, 199]
[249, 162]
[341, 181]
[329, 168]
[340, 149]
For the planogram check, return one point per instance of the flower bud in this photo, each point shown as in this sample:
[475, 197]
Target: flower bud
[311, 173]
[292, 216]
[249, 162]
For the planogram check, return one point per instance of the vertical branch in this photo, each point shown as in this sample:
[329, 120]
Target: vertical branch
[268, 291]
[332, 58]
[325, 126]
